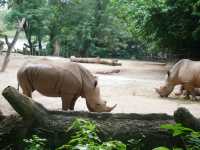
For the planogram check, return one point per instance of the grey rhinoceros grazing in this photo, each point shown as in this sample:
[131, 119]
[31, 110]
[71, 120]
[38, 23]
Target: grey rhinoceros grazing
[62, 79]
[185, 72]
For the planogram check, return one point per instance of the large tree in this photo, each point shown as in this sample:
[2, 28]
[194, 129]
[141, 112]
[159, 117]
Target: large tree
[37, 16]
[87, 28]
[163, 25]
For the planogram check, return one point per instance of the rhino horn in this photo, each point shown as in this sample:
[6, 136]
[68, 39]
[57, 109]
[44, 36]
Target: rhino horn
[109, 109]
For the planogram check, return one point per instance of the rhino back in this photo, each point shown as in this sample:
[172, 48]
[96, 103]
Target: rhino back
[185, 71]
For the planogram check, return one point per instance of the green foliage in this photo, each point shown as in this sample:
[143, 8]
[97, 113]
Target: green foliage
[111, 28]
[177, 129]
[165, 148]
[35, 143]
[93, 31]
[163, 25]
[190, 137]
[161, 148]
[37, 15]
[85, 137]
[136, 15]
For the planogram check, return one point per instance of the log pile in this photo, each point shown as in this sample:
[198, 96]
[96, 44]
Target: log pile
[97, 60]
[36, 119]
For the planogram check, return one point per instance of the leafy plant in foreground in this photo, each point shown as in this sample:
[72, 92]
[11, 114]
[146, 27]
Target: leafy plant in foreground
[35, 143]
[85, 137]
[190, 137]
[165, 148]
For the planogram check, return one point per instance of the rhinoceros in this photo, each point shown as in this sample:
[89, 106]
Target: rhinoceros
[62, 79]
[186, 73]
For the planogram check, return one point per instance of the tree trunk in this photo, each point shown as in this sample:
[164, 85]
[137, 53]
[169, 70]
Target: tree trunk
[56, 46]
[30, 44]
[51, 125]
[40, 45]
[96, 60]
[12, 44]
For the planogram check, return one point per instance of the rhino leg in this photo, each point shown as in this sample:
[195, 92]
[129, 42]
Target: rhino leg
[193, 95]
[72, 104]
[66, 101]
[184, 92]
[26, 90]
[186, 95]
[190, 90]
[27, 93]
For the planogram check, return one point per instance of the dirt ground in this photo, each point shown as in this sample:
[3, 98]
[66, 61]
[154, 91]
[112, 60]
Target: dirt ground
[132, 89]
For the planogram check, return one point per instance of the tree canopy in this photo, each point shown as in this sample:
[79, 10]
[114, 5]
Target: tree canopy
[110, 28]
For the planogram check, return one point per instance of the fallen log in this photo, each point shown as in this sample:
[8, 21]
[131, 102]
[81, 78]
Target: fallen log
[108, 71]
[97, 60]
[35, 119]
[183, 116]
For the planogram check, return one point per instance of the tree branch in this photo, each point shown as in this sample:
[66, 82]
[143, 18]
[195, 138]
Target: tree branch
[12, 44]
[6, 40]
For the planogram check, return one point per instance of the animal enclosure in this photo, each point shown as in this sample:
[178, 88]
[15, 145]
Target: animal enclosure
[132, 88]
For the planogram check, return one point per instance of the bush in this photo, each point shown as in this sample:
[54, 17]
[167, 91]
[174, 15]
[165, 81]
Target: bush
[190, 137]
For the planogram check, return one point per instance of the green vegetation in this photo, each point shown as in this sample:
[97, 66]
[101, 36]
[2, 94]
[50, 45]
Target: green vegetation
[191, 138]
[84, 137]
[110, 28]
[35, 143]
[2, 25]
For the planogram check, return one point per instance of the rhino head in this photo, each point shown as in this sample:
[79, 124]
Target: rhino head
[165, 90]
[95, 103]
[168, 87]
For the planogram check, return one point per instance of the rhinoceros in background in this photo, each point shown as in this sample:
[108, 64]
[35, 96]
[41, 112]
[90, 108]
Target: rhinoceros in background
[63, 79]
[185, 72]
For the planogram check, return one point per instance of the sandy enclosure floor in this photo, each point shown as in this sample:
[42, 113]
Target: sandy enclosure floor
[132, 89]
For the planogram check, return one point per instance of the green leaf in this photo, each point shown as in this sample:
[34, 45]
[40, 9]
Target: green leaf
[161, 148]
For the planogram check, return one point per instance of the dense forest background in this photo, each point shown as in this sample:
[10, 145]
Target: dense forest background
[108, 28]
